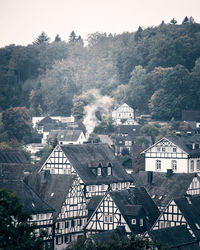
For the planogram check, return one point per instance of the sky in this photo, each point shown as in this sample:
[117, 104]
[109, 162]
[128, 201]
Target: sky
[22, 21]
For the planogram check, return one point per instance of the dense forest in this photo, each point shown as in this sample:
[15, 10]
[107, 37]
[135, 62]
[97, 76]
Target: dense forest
[155, 70]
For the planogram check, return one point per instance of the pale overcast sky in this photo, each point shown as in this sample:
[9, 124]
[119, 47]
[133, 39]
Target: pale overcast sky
[21, 21]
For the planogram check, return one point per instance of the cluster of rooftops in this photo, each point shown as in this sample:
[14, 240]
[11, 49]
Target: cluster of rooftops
[141, 199]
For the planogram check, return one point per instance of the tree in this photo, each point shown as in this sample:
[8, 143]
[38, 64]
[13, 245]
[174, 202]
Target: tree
[57, 38]
[150, 130]
[17, 123]
[41, 39]
[72, 37]
[136, 91]
[15, 230]
[173, 21]
[185, 20]
[134, 242]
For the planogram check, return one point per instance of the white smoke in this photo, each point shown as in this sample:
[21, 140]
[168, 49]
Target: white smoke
[100, 102]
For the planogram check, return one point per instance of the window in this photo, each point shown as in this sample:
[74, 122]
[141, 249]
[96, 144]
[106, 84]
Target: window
[198, 165]
[192, 165]
[59, 240]
[133, 221]
[168, 224]
[114, 186]
[174, 165]
[141, 222]
[99, 171]
[108, 218]
[174, 150]
[158, 164]
[109, 171]
[158, 149]
[163, 149]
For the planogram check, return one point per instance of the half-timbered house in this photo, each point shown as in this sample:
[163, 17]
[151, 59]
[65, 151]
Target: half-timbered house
[164, 187]
[182, 211]
[133, 209]
[179, 153]
[123, 113]
[93, 170]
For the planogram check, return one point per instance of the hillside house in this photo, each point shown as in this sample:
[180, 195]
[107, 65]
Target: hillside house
[122, 114]
[179, 153]
[192, 117]
[165, 187]
[67, 136]
[62, 119]
[128, 136]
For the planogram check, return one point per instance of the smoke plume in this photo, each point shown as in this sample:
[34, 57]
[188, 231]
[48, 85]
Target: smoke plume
[102, 103]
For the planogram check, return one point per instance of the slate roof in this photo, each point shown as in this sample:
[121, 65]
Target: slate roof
[185, 143]
[94, 202]
[189, 207]
[131, 202]
[129, 129]
[177, 238]
[191, 115]
[53, 189]
[163, 189]
[32, 204]
[46, 120]
[12, 156]
[16, 171]
[110, 236]
[65, 135]
[86, 157]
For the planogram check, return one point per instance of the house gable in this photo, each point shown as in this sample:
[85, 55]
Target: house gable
[194, 188]
[171, 216]
[107, 216]
[58, 163]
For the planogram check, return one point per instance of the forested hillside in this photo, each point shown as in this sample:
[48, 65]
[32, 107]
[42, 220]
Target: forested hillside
[155, 70]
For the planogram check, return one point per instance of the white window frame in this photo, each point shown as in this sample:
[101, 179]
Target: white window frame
[198, 165]
[109, 171]
[99, 171]
[133, 222]
[192, 165]
[158, 164]
[174, 165]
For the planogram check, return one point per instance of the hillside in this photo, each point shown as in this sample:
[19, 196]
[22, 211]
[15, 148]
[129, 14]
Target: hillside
[155, 70]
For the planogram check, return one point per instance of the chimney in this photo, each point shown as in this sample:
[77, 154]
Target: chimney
[169, 172]
[149, 177]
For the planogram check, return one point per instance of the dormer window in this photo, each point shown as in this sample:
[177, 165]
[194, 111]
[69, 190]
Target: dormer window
[109, 171]
[99, 171]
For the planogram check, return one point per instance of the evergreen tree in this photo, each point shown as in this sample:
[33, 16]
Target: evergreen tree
[173, 21]
[72, 37]
[185, 20]
[57, 38]
[41, 39]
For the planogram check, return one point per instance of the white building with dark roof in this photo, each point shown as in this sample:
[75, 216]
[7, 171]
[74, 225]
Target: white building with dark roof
[122, 114]
[179, 153]
[67, 136]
